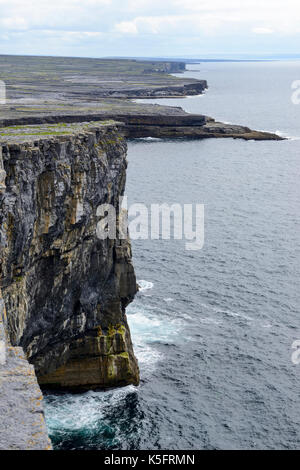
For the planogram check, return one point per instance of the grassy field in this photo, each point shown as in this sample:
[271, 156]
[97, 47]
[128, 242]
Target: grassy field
[57, 85]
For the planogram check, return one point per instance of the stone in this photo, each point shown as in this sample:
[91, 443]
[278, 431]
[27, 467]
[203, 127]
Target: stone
[22, 423]
[62, 285]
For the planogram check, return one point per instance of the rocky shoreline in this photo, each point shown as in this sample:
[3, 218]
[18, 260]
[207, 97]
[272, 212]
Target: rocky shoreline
[154, 125]
[63, 291]
[100, 89]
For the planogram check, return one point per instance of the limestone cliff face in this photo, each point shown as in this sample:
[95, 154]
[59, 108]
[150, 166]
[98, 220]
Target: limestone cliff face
[22, 424]
[65, 290]
[165, 67]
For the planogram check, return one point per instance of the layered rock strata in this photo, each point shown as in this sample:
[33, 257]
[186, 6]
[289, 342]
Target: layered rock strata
[22, 423]
[64, 289]
[160, 124]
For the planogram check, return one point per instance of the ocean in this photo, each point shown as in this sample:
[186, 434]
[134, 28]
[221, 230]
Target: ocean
[213, 329]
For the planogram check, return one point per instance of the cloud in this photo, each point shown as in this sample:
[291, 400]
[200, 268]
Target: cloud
[107, 27]
[262, 30]
[42, 14]
[126, 27]
[194, 17]
[175, 24]
[14, 22]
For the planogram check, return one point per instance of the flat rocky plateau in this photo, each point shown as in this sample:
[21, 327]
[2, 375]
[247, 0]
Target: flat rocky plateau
[51, 90]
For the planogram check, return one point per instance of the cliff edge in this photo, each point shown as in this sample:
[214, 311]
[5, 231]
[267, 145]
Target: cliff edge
[64, 290]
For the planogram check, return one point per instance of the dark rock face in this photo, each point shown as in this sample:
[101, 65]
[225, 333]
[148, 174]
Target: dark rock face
[195, 88]
[165, 67]
[162, 124]
[22, 423]
[209, 129]
[66, 291]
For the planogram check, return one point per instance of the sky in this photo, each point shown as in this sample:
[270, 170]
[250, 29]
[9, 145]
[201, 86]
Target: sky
[150, 28]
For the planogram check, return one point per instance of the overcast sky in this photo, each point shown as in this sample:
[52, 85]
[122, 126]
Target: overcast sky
[99, 28]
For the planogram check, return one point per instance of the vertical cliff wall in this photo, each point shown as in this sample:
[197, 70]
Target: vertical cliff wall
[22, 423]
[65, 291]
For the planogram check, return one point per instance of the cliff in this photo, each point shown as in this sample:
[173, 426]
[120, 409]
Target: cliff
[165, 67]
[162, 124]
[65, 291]
[190, 126]
[73, 89]
[49, 84]
[22, 424]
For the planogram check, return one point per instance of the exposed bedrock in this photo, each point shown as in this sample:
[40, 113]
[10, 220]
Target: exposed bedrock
[159, 116]
[195, 88]
[165, 67]
[209, 129]
[66, 291]
[160, 124]
[22, 423]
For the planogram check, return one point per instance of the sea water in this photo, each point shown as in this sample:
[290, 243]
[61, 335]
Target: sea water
[212, 329]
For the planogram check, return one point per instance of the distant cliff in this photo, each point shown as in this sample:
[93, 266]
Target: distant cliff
[165, 67]
[64, 290]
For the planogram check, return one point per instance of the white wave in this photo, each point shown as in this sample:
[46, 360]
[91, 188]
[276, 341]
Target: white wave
[151, 326]
[266, 325]
[210, 320]
[168, 299]
[145, 285]
[195, 96]
[147, 328]
[147, 358]
[90, 409]
[151, 139]
[287, 136]
[186, 316]
[243, 316]
[227, 312]
[138, 318]
[234, 314]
